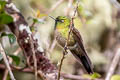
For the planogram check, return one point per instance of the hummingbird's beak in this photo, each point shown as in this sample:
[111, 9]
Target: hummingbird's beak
[52, 18]
[55, 21]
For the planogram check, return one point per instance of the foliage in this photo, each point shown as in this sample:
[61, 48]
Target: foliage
[93, 18]
[115, 77]
[38, 18]
[4, 18]
[92, 76]
[16, 59]
[2, 5]
[11, 37]
[1, 57]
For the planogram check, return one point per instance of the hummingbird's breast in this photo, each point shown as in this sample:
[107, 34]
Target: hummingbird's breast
[62, 38]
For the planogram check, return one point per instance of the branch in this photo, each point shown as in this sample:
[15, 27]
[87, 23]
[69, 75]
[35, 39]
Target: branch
[10, 61]
[6, 62]
[29, 70]
[52, 45]
[69, 7]
[113, 64]
[17, 51]
[5, 74]
[34, 58]
[61, 62]
[65, 47]
[115, 3]
[27, 42]
[64, 75]
[55, 6]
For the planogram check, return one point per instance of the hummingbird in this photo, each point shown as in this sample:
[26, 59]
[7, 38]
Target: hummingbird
[75, 42]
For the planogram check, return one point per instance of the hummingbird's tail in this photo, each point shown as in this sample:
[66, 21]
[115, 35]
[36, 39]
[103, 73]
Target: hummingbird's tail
[84, 59]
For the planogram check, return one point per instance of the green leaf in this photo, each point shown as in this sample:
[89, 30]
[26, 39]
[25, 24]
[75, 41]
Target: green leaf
[12, 38]
[115, 77]
[5, 19]
[16, 59]
[32, 29]
[38, 20]
[1, 57]
[35, 20]
[2, 5]
[95, 75]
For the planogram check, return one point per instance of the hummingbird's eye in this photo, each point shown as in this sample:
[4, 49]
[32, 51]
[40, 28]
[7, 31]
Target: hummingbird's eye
[62, 20]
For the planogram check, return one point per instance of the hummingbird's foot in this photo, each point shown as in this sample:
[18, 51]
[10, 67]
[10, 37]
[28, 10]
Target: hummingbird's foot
[65, 50]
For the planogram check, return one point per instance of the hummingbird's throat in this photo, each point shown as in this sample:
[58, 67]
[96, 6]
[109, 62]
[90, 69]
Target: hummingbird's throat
[59, 27]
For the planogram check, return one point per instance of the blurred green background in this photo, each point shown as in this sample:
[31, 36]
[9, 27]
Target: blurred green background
[97, 21]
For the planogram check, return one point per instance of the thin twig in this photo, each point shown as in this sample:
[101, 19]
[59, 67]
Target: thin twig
[34, 58]
[41, 75]
[6, 62]
[61, 65]
[55, 6]
[10, 61]
[65, 47]
[113, 64]
[64, 75]
[52, 45]
[5, 74]
[17, 51]
[69, 7]
[33, 24]
[6, 70]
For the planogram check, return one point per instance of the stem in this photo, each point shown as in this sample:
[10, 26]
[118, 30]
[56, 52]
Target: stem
[6, 62]
[55, 6]
[113, 64]
[65, 47]
[34, 58]
[61, 66]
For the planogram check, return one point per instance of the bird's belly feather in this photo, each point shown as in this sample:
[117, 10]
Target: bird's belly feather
[62, 40]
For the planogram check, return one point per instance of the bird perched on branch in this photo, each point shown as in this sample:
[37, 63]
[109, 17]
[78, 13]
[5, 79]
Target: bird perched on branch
[74, 44]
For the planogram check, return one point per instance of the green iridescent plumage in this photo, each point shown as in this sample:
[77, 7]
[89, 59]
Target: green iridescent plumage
[75, 44]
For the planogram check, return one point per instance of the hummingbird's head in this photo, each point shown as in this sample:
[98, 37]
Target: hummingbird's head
[62, 22]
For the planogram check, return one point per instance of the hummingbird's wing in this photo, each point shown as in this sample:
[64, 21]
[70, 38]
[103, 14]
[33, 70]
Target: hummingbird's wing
[78, 39]
[83, 57]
